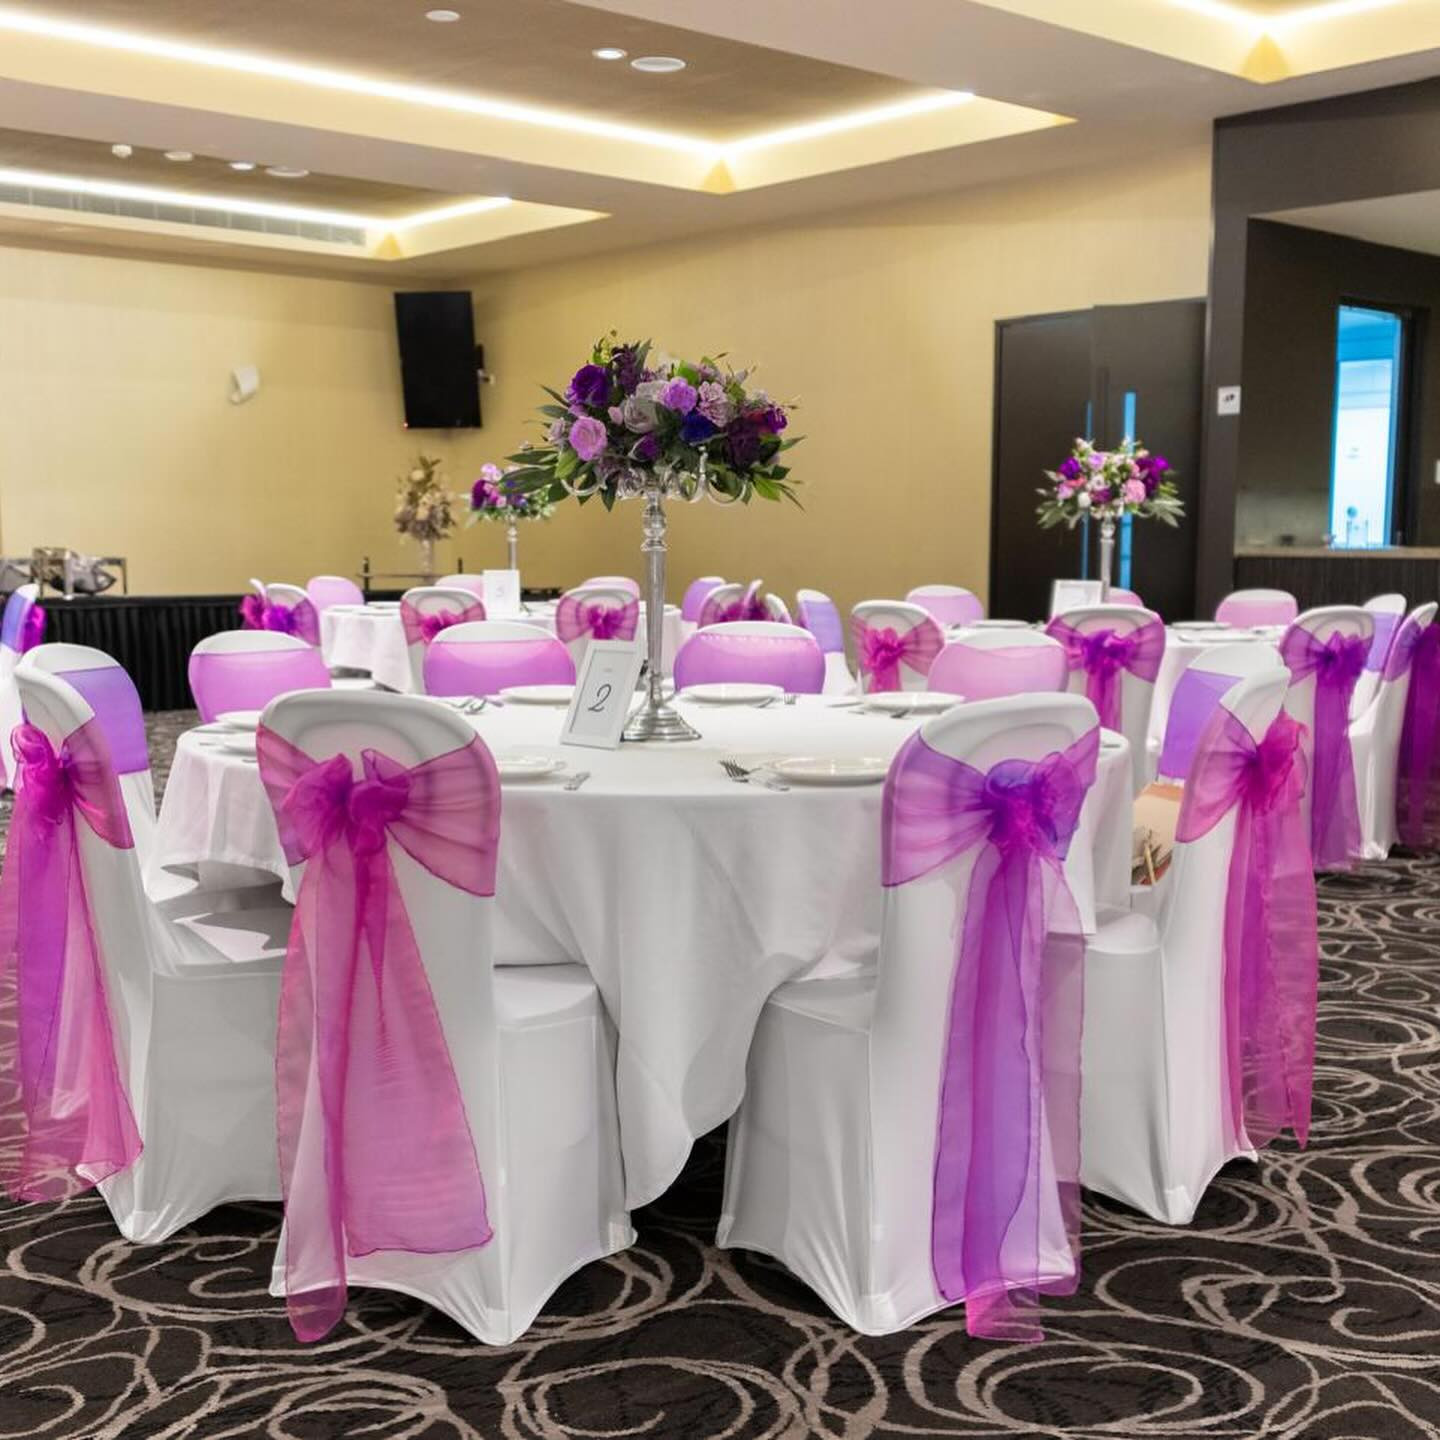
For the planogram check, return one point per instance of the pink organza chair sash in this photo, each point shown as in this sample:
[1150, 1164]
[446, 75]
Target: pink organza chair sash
[111, 694]
[1197, 696]
[1336, 664]
[376, 1152]
[1105, 655]
[1270, 942]
[67, 1124]
[300, 619]
[1011, 1036]
[1417, 650]
[794, 662]
[746, 607]
[1387, 625]
[577, 618]
[994, 672]
[422, 626]
[485, 667]
[223, 680]
[881, 651]
[822, 619]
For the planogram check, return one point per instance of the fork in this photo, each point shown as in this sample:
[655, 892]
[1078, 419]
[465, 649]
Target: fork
[741, 776]
[576, 780]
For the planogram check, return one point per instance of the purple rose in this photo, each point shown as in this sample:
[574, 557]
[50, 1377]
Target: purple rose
[696, 429]
[743, 445]
[1100, 496]
[646, 450]
[1070, 470]
[587, 437]
[679, 395]
[776, 419]
[628, 373]
[590, 385]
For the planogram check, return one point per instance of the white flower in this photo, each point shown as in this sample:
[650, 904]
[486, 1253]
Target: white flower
[1083, 500]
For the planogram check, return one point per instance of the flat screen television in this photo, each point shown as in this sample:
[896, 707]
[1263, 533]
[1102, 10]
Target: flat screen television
[438, 359]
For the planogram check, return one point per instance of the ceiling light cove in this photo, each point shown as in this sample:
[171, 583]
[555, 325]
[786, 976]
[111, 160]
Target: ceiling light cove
[443, 17]
[854, 120]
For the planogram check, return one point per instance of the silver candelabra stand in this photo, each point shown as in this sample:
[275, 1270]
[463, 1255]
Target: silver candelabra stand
[512, 542]
[655, 718]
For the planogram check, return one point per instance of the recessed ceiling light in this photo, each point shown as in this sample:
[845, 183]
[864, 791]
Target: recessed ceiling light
[443, 17]
[658, 64]
[122, 151]
[242, 164]
[609, 52]
[286, 172]
[180, 157]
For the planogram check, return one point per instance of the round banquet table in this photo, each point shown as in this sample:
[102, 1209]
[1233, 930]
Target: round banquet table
[688, 897]
[370, 638]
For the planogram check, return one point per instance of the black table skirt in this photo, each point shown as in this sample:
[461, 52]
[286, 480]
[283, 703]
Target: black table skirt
[151, 636]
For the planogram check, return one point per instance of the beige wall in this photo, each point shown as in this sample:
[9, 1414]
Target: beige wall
[880, 322]
[116, 433]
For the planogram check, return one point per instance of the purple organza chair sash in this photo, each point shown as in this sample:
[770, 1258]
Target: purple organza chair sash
[881, 651]
[67, 1123]
[1336, 664]
[695, 597]
[1270, 943]
[822, 619]
[422, 626]
[376, 1151]
[223, 680]
[1197, 694]
[23, 625]
[1417, 783]
[746, 607]
[300, 619]
[485, 667]
[1012, 1034]
[794, 662]
[252, 612]
[993, 673]
[1387, 623]
[1105, 655]
[577, 618]
[111, 694]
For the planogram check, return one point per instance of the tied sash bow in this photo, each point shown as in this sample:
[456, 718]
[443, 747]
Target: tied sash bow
[1336, 663]
[1270, 944]
[1010, 1078]
[422, 626]
[881, 651]
[376, 1152]
[1105, 656]
[299, 619]
[252, 613]
[577, 619]
[74, 1122]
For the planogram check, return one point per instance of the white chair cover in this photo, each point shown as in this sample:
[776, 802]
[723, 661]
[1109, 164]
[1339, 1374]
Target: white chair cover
[20, 599]
[475, 584]
[1154, 1100]
[1389, 612]
[902, 618]
[533, 1053]
[431, 600]
[832, 1153]
[193, 985]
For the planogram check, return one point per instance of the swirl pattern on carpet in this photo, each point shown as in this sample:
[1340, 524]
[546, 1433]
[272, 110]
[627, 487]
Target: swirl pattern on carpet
[1304, 1301]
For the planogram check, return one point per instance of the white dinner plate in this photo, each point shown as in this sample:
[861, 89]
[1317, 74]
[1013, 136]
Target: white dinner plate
[1198, 625]
[538, 694]
[731, 694]
[527, 767]
[238, 744]
[996, 625]
[910, 702]
[239, 720]
[827, 770]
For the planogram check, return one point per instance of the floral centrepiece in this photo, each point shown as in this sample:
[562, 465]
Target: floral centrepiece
[497, 495]
[1108, 484]
[627, 414]
[422, 503]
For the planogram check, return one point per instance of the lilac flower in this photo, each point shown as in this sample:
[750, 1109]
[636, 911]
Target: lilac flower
[590, 386]
[557, 431]
[714, 404]
[587, 437]
[679, 395]
[696, 429]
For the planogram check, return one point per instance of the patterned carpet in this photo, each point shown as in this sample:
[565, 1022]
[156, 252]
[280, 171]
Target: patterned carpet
[1304, 1302]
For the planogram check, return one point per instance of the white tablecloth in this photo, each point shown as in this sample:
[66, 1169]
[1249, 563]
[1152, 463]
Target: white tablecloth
[688, 897]
[370, 638]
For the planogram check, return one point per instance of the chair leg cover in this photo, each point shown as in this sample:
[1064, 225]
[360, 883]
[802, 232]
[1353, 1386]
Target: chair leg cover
[548, 1138]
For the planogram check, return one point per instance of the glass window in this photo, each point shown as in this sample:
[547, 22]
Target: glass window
[1370, 360]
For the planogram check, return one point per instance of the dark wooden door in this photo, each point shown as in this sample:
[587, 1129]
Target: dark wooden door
[1155, 356]
[1042, 400]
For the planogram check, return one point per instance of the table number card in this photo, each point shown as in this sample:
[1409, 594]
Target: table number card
[604, 694]
[502, 594]
[1069, 594]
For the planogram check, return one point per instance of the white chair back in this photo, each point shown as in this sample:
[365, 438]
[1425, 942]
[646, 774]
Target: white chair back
[1257, 607]
[327, 590]
[431, 600]
[475, 584]
[776, 608]
[623, 583]
[922, 920]
[266, 664]
[1071, 594]
[717, 602]
[456, 662]
[1389, 611]
[903, 618]
[993, 664]
[951, 605]
[608, 596]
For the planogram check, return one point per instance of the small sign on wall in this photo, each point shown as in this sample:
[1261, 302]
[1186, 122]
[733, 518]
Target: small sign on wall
[1227, 400]
[604, 694]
